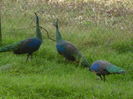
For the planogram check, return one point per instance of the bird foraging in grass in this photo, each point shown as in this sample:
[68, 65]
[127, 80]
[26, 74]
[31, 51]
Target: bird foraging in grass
[67, 49]
[27, 46]
[103, 68]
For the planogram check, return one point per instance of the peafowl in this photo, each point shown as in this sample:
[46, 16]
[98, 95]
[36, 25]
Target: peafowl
[27, 46]
[103, 68]
[68, 50]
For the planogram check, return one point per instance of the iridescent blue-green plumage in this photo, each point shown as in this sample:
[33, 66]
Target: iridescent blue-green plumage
[102, 68]
[27, 46]
[68, 50]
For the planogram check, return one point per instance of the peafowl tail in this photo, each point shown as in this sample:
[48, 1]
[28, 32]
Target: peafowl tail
[9, 47]
[114, 69]
[83, 61]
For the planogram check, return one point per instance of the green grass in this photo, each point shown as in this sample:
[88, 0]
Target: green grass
[48, 75]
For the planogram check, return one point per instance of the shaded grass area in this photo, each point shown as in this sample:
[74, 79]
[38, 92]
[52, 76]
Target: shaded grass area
[48, 75]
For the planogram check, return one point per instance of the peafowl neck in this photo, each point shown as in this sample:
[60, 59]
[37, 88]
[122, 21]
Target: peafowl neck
[58, 35]
[38, 31]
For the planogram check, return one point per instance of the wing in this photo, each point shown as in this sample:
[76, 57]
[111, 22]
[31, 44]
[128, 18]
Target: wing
[68, 50]
[99, 66]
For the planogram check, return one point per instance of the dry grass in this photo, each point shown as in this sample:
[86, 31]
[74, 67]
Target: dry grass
[106, 12]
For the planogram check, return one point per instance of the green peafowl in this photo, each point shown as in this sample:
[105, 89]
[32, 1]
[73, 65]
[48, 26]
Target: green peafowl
[27, 46]
[68, 50]
[103, 68]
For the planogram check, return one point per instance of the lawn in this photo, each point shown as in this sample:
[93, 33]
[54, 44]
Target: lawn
[100, 31]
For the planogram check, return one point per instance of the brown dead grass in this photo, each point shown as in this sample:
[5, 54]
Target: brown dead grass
[115, 14]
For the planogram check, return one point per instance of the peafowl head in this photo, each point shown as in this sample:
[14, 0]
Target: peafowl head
[56, 23]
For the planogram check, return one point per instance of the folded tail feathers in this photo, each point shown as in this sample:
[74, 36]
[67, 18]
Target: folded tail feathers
[8, 47]
[114, 69]
[83, 60]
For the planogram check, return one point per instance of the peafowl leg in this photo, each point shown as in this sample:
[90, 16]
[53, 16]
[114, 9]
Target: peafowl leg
[31, 56]
[27, 57]
[104, 79]
[101, 77]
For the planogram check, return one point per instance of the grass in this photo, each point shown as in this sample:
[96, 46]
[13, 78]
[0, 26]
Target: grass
[98, 34]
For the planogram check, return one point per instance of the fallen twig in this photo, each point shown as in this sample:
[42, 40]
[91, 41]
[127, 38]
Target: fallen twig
[47, 33]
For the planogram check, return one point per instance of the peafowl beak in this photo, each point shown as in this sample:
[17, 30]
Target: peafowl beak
[35, 13]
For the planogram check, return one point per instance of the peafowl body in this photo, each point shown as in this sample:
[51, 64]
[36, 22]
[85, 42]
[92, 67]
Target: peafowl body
[68, 50]
[27, 46]
[102, 68]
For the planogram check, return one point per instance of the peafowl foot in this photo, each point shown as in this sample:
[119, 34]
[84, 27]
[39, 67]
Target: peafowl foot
[104, 79]
[97, 78]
